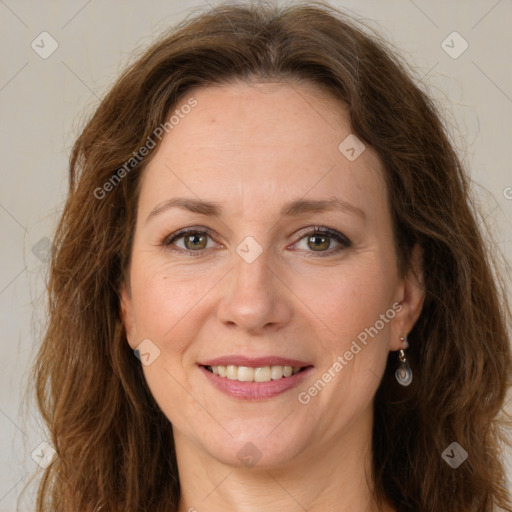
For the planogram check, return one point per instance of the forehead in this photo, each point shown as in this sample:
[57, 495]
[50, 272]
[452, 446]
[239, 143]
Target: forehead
[258, 143]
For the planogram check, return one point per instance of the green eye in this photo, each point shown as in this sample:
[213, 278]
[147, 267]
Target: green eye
[195, 241]
[319, 240]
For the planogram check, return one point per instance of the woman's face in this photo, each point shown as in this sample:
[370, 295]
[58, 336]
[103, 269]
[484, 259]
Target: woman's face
[252, 289]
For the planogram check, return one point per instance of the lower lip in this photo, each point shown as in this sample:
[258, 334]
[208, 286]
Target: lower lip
[255, 390]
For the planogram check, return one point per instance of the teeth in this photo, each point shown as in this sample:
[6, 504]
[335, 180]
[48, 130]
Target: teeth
[245, 374]
[232, 372]
[262, 374]
[276, 372]
[249, 374]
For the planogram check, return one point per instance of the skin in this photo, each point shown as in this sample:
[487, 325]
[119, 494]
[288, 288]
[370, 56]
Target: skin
[252, 148]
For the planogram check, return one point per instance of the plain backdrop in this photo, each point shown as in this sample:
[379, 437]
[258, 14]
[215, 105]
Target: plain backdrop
[45, 101]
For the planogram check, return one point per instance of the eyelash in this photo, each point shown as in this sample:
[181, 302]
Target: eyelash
[345, 243]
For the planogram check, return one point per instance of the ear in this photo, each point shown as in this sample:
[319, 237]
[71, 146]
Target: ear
[411, 297]
[128, 315]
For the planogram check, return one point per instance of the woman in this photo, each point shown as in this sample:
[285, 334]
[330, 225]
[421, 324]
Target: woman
[270, 291]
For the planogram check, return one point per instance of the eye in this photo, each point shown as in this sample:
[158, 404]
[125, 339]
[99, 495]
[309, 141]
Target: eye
[194, 241]
[319, 240]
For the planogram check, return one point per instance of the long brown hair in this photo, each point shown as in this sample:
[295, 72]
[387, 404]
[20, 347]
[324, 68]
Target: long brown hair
[115, 446]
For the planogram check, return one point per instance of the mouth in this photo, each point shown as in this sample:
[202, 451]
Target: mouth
[254, 379]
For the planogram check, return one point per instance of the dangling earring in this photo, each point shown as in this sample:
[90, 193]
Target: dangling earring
[404, 373]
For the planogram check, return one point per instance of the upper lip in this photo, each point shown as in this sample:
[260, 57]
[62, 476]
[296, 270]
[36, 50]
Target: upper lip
[254, 362]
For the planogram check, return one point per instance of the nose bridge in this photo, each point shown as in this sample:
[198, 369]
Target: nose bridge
[254, 297]
[251, 269]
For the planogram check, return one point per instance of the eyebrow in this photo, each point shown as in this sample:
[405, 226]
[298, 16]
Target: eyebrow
[291, 209]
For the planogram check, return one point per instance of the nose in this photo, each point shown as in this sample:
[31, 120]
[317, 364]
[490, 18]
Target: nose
[254, 297]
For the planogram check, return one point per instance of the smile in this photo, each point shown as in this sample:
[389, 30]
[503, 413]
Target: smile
[254, 379]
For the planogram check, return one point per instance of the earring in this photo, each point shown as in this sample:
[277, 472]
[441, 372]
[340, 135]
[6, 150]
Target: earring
[404, 373]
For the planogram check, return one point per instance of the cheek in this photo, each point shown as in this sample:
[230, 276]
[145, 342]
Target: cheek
[352, 311]
[165, 298]
[168, 311]
[345, 301]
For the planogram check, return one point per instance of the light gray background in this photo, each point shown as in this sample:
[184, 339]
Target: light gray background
[43, 103]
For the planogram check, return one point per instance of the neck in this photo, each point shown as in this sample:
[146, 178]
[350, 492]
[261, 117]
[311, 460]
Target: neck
[334, 474]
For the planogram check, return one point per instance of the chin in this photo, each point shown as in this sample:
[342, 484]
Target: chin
[255, 448]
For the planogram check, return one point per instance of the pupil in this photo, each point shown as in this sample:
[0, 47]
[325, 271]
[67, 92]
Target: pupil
[314, 239]
[191, 239]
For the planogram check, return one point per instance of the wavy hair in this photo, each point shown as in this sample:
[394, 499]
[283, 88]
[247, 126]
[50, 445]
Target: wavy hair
[115, 446]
